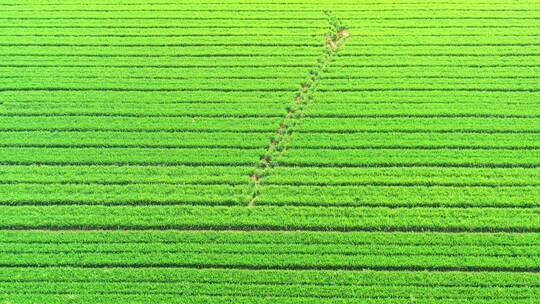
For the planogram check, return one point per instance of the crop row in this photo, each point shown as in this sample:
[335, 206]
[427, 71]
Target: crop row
[327, 99]
[194, 23]
[132, 97]
[272, 217]
[272, 277]
[428, 97]
[267, 259]
[296, 157]
[411, 157]
[407, 73]
[245, 124]
[231, 246]
[283, 85]
[314, 31]
[170, 193]
[247, 31]
[245, 2]
[402, 50]
[187, 61]
[131, 194]
[196, 109]
[126, 174]
[29, 237]
[388, 124]
[164, 51]
[432, 49]
[265, 40]
[156, 85]
[279, 175]
[394, 196]
[251, 108]
[270, 5]
[256, 140]
[140, 298]
[270, 291]
[382, 140]
[351, 15]
[277, 59]
[138, 139]
[293, 21]
[450, 85]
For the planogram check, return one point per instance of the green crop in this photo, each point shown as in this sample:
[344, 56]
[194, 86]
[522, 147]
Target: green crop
[280, 151]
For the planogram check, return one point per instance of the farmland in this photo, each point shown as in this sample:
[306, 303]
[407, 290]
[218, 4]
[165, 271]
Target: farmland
[291, 151]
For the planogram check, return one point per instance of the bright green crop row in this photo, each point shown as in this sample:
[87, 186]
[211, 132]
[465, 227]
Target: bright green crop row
[202, 15]
[126, 174]
[452, 20]
[295, 74]
[431, 49]
[163, 51]
[230, 244]
[278, 175]
[272, 217]
[269, 277]
[462, 3]
[345, 125]
[29, 298]
[248, 109]
[296, 157]
[131, 156]
[277, 59]
[375, 31]
[407, 157]
[410, 195]
[167, 193]
[435, 61]
[351, 15]
[279, 24]
[143, 194]
[183, 41]
[270, 5]
[341, 109]
[211, 85]
[516, 240]
[267, 259]
[403, 176]
[450, 41]
[323, 99]
[130, 194]
[388, 124]
[269, 125]
[284, 85]
[269, 291]
[250, 33]
[257, 140]
[33, 98]
[187, 61]
[136, 139]
[382, 140]
[459, 99]
[415, 85]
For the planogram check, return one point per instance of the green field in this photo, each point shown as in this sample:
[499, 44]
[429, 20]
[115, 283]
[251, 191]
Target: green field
[242, 151]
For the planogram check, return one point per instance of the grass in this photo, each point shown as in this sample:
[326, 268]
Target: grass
[238, 152]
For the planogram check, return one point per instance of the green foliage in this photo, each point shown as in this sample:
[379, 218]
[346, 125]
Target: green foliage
[133, 133]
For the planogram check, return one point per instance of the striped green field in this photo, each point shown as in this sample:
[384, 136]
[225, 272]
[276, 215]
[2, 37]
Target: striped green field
[281, 151]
